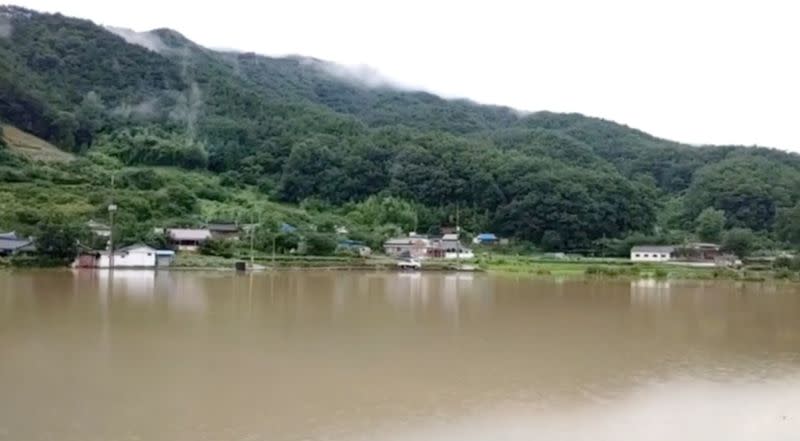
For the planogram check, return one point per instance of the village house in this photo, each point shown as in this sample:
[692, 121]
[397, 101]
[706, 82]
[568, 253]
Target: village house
[354, 246]
[225, 230]
[485, 239]
[134, 256]
[413, 246]
[99, 229]
[449, 247]
[420, 247]
[652, 253]
[690, 253]
[11, 244]
[187, 239]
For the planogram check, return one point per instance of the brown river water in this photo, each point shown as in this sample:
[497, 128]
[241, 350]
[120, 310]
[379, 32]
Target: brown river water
[351, 356]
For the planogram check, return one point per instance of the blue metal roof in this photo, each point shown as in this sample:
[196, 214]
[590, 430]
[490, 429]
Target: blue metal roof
[487, 236]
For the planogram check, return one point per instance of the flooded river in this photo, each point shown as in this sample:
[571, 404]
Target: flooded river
[347, 356]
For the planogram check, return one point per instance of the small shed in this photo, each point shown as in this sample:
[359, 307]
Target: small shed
[164, 258]
[485, 239]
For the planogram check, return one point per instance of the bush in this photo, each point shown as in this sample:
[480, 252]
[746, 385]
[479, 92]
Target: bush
[217, 247]
[660, 273]
[317, 244]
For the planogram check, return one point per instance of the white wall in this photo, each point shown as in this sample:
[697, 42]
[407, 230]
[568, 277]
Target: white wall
[134, 258]
[641, 256]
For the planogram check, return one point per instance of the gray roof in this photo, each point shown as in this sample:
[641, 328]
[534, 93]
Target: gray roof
[189, 234]
[11, 245]
[653, 249]
[224, 227]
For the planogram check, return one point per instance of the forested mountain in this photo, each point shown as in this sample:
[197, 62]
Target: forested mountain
[298, 130]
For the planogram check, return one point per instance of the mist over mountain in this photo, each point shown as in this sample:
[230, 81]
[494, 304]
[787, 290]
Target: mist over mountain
[297, 129]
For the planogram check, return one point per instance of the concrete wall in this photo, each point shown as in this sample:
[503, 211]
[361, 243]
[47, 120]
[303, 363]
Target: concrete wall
[134, 258]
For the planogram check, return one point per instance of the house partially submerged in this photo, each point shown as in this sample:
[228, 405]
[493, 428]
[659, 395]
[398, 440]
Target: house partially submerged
[187, 239]
[137, 256]
[11, 244]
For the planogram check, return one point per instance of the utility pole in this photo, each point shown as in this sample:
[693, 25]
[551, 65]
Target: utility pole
[274, 237]
[252, 242]
[111, 209]
[458, 238]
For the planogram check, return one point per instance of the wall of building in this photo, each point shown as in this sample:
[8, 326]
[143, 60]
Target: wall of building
[136, 258]
[641, 256]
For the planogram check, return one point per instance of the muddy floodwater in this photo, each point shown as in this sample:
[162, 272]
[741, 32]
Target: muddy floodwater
[302, 355]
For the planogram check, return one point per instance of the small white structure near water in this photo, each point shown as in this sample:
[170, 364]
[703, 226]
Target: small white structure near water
[134, 256]
[652, 253]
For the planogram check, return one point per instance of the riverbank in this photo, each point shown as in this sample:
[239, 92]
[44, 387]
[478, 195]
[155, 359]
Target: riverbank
[595, 267]
[518, 265]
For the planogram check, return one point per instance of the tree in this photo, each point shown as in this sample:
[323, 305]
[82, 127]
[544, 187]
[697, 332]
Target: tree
[551, 240]
[709, 225]
[217, 247]
[319, 244]
[739, 241]
[787, 225]
[58, 240]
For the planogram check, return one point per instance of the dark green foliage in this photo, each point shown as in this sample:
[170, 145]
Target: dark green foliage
[710, 224]
[217, 247]
[320, 244]
[739, 241]
[787, 225]
[154, 147]
[56, 239]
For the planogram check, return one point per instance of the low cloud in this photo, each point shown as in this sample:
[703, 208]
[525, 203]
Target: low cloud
[147, 40]
[361, 74]
[187, 108]
[5, 27]
[147, 109]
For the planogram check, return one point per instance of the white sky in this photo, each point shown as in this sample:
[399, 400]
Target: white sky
[722, 72]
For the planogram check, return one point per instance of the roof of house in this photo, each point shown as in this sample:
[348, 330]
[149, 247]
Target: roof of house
[452, 236]
[189, 234]
[9, 235]
[653, 249]
[286, 228]
[136, 246]
[487, 236]
[405, 241]
[8, 244]
[227, 227]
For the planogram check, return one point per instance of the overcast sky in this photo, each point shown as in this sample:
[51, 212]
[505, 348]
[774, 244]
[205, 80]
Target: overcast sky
[721, 72]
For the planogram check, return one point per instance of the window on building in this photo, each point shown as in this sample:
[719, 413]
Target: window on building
[638, 255]
[646, 255]
[663, 256]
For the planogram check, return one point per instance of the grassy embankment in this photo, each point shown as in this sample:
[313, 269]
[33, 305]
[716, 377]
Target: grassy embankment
[598, 267]
[199, 261]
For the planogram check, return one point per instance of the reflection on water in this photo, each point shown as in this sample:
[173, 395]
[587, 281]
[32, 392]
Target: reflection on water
[91, 355]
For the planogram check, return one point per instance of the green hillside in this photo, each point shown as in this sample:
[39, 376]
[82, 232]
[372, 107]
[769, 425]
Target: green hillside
[192, 128]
